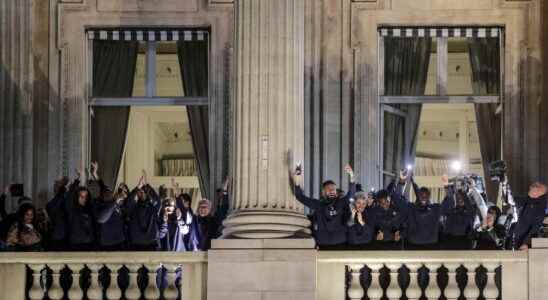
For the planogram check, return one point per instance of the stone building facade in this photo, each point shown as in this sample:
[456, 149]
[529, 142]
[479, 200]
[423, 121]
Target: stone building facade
[321, 67]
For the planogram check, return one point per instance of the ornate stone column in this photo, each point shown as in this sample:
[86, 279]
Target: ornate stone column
[268, 120]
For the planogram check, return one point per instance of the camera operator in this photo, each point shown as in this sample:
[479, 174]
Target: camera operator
[331, 212]
[490, 235]
[458, 218]
[531, 215]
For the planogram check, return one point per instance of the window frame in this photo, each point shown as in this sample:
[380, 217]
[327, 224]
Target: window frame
[441, 97]
[150, 98]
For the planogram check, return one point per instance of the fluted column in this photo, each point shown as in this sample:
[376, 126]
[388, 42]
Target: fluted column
[268, 118]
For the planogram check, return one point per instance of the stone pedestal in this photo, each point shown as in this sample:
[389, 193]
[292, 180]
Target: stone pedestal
[268, 112]
[267, 269]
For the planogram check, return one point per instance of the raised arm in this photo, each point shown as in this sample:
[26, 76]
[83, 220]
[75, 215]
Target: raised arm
[352, 187]
[476, 197]
[448, 202]
[396, 194]
[295, 182]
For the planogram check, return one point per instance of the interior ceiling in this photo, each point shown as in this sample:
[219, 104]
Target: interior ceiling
[174, 132]
[438, 135]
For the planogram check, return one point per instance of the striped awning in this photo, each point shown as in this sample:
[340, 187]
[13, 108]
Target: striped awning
[462, 32]
[147, 34]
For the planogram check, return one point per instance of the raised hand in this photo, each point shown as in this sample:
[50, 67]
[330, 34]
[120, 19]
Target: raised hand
[380, 236]
[403, 176]
[397, 236]
[94, 169]
[144, 176]
[348, 170]
[445, 180]
[7, 189]
[79, 173]
[226, 183]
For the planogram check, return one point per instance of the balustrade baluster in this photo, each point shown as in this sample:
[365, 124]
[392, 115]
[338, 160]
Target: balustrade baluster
[374, 292]
[113, 290]
[133, 292]
[36, 291]
[355, 291]
[394, 292]
[471, 291]
[152, 291]
[95, 292]
[433, 291]
[55, 292]
[452, 291]
[413, 291]
[171, 292]
[491, 291]
[75, 292]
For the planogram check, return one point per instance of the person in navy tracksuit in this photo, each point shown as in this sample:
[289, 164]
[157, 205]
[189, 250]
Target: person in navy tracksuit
[331, 212]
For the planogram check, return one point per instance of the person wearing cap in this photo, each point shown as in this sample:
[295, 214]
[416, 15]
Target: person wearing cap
[331, 212]
[207, 225]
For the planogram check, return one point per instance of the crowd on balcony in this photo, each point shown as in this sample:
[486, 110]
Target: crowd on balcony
[387, 220]
[141, 219]
[146, 219]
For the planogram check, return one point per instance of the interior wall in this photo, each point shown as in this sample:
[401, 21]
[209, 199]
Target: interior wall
[145, 144]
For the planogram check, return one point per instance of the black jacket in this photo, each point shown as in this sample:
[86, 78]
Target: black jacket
[329, 219]
[422, 222]
[531, 215]
[359, 234]
[457, 221]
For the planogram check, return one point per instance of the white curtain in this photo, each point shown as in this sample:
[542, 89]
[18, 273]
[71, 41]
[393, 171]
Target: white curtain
[179, 167]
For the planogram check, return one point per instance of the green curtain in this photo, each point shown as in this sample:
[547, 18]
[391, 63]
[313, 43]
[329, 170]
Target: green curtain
[193, 62]
[406, 71]
[485, 62]
[114, 65]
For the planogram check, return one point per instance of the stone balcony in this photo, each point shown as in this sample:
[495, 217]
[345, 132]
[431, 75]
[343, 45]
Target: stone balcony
[264, 269]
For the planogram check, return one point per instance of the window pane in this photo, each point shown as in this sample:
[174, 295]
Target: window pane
[159, 141]
[473, 66]
[114, 64]
[407, 65]
[393, 145]
[168, 74]
[140, 72]
[431, 80]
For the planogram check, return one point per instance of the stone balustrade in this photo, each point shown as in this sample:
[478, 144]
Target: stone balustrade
[422, 275]
[340, 275]
[101, 275]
